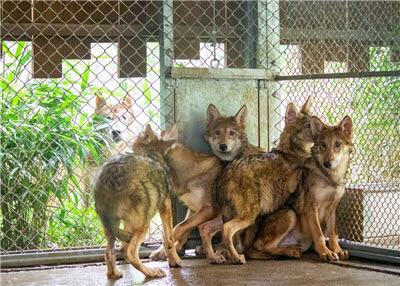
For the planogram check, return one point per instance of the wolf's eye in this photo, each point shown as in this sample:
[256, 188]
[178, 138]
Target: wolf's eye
[232, 133]
[109, 117]
[217, 132]
[337, 144]
[308, 125]
[123, 117]
[323, 144]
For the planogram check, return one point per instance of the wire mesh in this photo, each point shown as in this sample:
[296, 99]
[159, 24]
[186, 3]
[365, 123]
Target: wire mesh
[81, 78]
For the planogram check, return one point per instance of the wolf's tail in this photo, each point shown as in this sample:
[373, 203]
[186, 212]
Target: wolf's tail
[112, 225]
[259, 255]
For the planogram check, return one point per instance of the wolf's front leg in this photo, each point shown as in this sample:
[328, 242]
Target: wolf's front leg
[324, 252]
[169, 244]
[333, 237]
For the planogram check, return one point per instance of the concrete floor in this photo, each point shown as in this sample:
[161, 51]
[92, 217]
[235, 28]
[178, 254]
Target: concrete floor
[195, 271]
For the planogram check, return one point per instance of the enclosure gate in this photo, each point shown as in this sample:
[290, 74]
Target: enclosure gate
[173, 58]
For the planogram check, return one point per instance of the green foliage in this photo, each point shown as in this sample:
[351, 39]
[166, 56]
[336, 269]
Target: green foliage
[41, 144]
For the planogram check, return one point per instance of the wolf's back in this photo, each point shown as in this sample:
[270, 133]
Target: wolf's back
[129, 185]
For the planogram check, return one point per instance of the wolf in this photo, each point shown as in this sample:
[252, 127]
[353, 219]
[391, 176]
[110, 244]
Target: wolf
[227, 134]
[193, 177]
[259, 184]
[312, 208]
[228, 141]
[131, 188]
[121, 131]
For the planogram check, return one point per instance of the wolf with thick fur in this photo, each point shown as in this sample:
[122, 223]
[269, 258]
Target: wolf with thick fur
[193, 177]
[312, 208]
[260, 184]
[132, 187]
[227, 134]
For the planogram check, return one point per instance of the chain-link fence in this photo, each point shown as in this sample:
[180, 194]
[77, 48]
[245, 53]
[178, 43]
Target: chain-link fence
[81, 78]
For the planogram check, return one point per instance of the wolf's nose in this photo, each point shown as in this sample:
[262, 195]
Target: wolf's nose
[115, 134]
[327, 164]
[223, 147]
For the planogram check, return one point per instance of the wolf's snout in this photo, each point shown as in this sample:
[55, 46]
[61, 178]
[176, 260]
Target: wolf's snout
[327, 164]
[115, 134]
[223, 147]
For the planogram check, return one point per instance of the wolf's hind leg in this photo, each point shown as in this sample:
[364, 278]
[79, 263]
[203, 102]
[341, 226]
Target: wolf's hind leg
[228, 231]
[112, 271]
[169, 244]
[277, 226]
[207, 231]
[132, 253]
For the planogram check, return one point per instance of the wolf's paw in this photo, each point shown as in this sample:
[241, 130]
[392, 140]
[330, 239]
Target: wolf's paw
[343, 255]
[175, 262]
[294, 252]
[156, 273]
[222, 252]
[217, 258]
[328, 255]
[200, 250]
[114, 275]
[158, 254]
[240, 259]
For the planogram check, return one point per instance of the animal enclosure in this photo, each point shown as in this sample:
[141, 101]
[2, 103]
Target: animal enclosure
[161, 62]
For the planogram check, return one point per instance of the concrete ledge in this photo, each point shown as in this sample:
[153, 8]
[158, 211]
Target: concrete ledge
[215, 73]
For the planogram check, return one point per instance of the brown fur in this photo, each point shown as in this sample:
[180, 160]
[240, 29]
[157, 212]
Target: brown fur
[193, 177]
[120, 132]
[259, 184]
[313, 207]
[228, 132]
[131, 188]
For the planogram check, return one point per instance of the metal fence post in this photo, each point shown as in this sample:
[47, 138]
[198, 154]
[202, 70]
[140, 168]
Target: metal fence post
[166, 62]
[273, 57]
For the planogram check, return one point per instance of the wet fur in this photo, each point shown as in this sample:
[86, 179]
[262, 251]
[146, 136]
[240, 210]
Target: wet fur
[312, 208]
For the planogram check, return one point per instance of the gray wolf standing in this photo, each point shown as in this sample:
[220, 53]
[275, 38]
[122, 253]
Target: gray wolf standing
[132, 187]
[312, 208]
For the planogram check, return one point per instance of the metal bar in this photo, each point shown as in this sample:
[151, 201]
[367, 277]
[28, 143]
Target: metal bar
[212, 73]
[166, 62]
[338, 75]
[251, 35]
[63, 257]
[104, 30]
[370, 252]
[273, 55]
[262, 60]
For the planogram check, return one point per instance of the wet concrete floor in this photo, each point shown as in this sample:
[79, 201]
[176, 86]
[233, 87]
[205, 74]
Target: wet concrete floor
[195, 271]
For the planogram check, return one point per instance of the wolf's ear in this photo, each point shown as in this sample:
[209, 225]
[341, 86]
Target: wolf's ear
[241, 116]
[316, 126]
[128, 100]
[306, 108]
[149, 134]
[172, 134]
[99, 100]
[212, 114]
[347, 126]
[291, 114]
